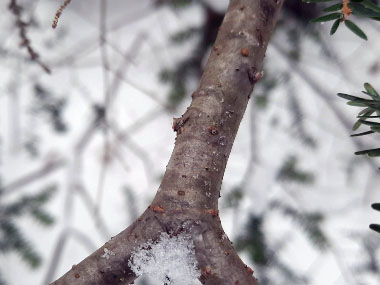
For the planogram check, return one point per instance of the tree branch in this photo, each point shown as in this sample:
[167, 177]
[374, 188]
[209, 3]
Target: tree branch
[187, 200]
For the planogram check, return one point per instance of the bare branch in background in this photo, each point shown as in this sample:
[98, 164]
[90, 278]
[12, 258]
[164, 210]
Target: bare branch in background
[47, 168]
[25, 42]
[59, 13]
[57, 253]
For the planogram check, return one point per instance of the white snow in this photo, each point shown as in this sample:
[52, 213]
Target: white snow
[171, 260]
[107, 253]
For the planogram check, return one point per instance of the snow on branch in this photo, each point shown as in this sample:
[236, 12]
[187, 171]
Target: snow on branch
[170, 260]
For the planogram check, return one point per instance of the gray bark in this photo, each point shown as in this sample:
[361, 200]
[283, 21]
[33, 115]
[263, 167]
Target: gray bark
[187, 200]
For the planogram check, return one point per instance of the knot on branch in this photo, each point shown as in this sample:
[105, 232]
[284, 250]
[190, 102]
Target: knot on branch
[157, 209]
[212, 212]
[178, 124]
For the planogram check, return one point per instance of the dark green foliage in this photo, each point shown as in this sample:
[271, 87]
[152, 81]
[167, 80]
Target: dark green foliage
[268, 82]
[299, 11]
[297, 113]
[354, 98]
[254, 242]
[375, 227]
[309, 222]
[261, 100]
[355, 29]
[376, 206]
[362, 134]
[371, 91]
[191, 66]
[51, 106]
[42, 217]
[326, 18]
[234, 197]
[364, 116]
[177, 78]
[369, 262]
[184, 35]
[370, 123]
[370, 5]
[364, 113]
[333, 8]
[290, 172]
[11, 238]
[360, 8]
[177, 4]
[31, 205]
[370, 106]
[264, 88]
[334, 27]
[294, 36]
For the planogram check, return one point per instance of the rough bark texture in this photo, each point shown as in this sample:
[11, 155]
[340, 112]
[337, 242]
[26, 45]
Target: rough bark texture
[187, 200]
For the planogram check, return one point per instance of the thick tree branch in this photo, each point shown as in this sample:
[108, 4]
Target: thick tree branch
[187, 200]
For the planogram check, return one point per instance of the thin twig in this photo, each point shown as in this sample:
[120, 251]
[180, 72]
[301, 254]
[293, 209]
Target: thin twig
[25, 42]
[106, 104]
[59, 13]
[44, 170]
